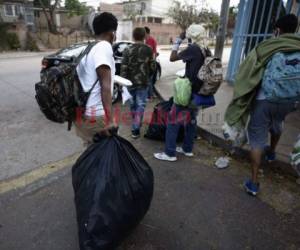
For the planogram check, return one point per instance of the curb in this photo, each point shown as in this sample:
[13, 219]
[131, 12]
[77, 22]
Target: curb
[240, 153]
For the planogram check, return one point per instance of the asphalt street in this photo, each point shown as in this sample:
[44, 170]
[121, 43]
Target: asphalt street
[28, 139]
[195, 206]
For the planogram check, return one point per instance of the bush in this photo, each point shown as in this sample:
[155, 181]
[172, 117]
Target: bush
[13, 41]
[3, 38]
[31, 44]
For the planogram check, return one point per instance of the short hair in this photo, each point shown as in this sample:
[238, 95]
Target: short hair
[139, 34]
[287, 23]
[105, 22]
[147, 30]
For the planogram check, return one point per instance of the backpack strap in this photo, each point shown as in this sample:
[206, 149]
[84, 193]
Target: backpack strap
[85, 51]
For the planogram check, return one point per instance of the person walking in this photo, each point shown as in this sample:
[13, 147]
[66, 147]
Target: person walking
[152, 43]
[137, 66]
[98, 66]
[184, 115]
[266, 116]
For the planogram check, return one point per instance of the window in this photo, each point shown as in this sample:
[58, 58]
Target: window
[13, 10]
[157, 20]
[17, 10]
[9, 10]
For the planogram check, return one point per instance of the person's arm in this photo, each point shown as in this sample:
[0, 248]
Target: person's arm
[104, 75]
[103, 63]
[124, 64]
[152, 62]
[174, 54]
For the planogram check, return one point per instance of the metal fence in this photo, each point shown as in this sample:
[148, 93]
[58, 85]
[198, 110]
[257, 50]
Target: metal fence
[254, 24]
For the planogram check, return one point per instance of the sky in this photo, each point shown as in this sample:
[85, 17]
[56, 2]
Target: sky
[214, 4]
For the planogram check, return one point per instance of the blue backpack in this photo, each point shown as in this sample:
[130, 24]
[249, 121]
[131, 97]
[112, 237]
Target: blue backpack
[281, 80]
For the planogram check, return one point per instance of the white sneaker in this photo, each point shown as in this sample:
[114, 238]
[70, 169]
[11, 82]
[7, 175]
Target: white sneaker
[180, 150]
[164, 157]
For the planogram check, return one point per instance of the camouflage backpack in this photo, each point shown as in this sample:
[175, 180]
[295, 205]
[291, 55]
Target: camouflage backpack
[60, 95]
[211, 73]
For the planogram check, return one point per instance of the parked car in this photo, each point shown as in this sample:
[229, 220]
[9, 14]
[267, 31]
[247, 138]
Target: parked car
[69, 54]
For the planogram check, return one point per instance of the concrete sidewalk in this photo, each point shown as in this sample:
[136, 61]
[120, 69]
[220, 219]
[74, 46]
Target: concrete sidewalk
[212, 119]
[195, 206]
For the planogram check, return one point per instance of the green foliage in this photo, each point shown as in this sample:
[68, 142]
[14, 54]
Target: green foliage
[210, 18]
[31, 44]
[184, 14]
[131, 11]
[74, 7]
[13, 41]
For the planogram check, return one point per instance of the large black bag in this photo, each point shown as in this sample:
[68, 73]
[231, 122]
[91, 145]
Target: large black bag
[159, 120]
[113, 187]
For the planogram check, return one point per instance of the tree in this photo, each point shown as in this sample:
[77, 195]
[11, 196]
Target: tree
[210, 18]
[183, 14]
[74, 7]
[131, 10]
[49, 7]
[231, 20]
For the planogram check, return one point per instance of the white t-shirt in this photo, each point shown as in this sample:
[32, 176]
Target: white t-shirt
[100, 54]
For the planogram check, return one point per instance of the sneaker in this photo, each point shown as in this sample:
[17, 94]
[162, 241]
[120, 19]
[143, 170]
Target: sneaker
[164, 157]
[135, 134]
[269, 155]
[251, 188]
[181, 151]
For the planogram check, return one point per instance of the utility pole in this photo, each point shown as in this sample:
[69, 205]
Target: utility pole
[222, 29]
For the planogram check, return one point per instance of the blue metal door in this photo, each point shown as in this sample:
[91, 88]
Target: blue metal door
[254, 24]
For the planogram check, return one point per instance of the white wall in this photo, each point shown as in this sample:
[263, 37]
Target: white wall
[124, 31]
[160, 7]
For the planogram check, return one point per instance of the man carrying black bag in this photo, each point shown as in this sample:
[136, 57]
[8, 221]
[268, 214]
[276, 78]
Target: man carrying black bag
[96, 72]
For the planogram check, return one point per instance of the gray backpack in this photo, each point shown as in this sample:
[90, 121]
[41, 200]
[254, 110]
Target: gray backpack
[211, 74]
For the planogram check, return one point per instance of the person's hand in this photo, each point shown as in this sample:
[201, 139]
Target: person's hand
[182, 35]
[109, 130]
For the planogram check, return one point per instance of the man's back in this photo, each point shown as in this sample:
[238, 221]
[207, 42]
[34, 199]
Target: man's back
[138, 64]
[100, 54]
[151, 42]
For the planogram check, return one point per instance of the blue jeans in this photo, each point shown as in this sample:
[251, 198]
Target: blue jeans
[137, 107]
[179, 116]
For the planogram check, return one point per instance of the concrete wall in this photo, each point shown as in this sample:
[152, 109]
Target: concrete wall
[161, 32]
[124, 31]
[64, 22]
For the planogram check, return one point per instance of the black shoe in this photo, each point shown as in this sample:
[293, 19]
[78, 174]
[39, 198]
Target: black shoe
[135, 134]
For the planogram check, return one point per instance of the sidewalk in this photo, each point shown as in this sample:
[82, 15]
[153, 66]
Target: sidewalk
[212, 119]
[195, 206]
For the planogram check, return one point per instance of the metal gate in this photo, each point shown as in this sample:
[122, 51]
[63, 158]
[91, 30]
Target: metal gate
[254, 24]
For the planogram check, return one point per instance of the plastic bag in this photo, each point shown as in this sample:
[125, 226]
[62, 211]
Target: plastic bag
[237, 136]
[113, 187]
[159, 120]
[182, 91]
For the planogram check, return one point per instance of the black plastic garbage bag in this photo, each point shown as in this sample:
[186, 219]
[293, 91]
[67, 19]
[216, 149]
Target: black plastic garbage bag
[113, 187]
[159, 120]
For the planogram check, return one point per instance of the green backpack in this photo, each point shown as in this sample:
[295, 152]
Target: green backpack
[182, 91]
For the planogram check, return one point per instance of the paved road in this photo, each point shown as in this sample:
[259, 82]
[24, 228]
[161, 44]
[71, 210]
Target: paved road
[195, 206]
[28, 140]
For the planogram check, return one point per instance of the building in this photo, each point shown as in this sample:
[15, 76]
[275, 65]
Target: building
[14, 11]
[116, 9]
[149, 11]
